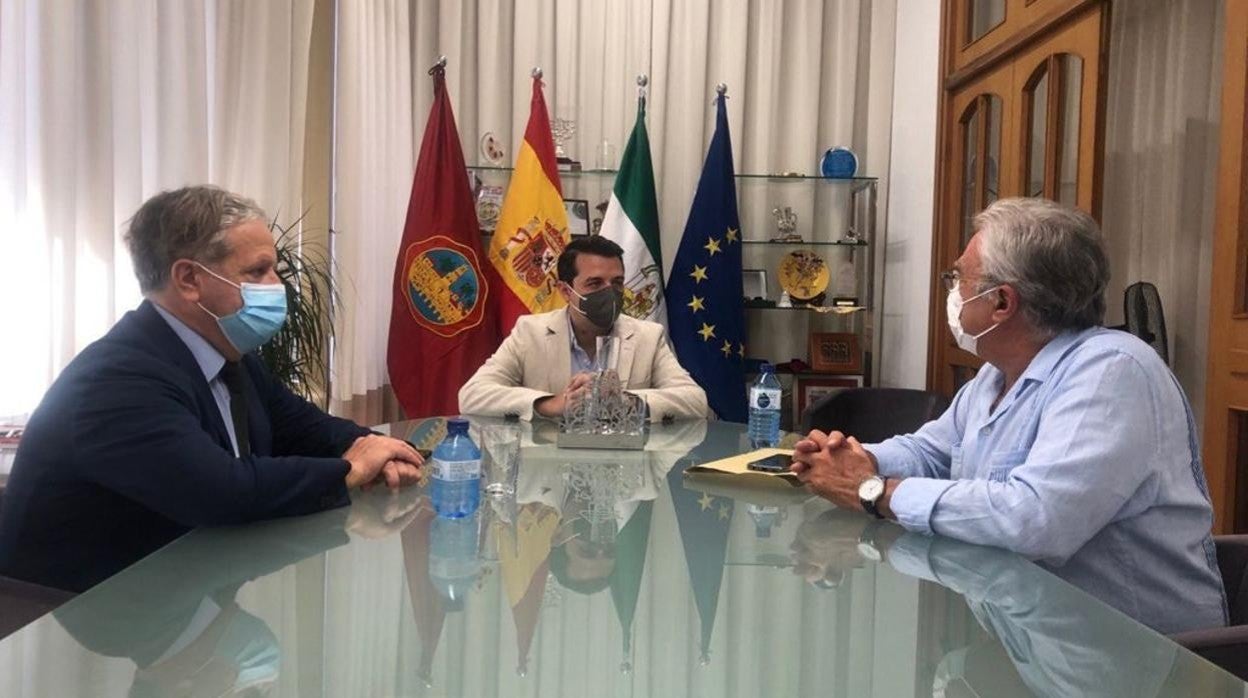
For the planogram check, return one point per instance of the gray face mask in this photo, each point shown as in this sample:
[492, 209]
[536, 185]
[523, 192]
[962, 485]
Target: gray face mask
[601, 307]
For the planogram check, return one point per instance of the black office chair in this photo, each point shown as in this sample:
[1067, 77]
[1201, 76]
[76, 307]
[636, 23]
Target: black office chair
[872, 415]
[22, 602]
[1227, 647]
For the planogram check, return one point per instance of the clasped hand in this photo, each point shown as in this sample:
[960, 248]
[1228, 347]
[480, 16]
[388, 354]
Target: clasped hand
[833, 466]
[375, 458]
[556, 405]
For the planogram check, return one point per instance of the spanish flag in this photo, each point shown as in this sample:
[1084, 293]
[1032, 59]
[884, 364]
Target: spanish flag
[533, 225]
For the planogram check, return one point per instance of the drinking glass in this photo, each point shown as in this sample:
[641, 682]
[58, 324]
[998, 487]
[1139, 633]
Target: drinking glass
[501, 443]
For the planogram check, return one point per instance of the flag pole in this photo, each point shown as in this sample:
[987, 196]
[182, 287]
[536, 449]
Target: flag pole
[642, 82]
[439, 66]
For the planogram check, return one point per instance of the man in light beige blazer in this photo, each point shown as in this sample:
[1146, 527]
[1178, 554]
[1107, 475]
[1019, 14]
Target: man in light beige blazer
[547, 358]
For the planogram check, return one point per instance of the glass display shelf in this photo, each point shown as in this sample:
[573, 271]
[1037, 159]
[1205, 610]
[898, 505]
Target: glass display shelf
[806, 178]
[562, 173]
[811, 308]
[807, 243]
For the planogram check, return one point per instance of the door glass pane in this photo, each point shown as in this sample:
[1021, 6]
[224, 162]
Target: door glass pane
[982, 16]
[992, 183]
[970, 128]
[1072, 89]
[1035, 140]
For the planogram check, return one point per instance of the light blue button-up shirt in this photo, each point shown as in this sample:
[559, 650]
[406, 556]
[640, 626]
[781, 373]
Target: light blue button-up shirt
[1089, 466]
[210, 362]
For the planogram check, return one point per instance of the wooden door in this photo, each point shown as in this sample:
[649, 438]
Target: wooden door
[1022, 114]
[1226, 403]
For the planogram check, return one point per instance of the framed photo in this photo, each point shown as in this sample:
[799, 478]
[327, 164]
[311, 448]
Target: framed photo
[578, 216]
[754, 283]
[808, 391]
[835, 352]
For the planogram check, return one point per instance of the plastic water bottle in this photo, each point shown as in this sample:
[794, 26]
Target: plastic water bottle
[454, 560]
[764, 426]
[456, 472]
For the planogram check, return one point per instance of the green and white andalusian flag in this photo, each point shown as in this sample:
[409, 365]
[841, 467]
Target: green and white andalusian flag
[632, 222]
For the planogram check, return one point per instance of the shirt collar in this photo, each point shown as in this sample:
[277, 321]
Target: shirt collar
[209, 359]
[1043, 363]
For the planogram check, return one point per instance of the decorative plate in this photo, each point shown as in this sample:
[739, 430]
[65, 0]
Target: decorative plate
[492, 149]
[803, 274]
[839, 162]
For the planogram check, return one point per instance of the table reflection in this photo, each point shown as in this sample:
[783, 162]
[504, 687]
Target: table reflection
[177, 618]
[604, 574]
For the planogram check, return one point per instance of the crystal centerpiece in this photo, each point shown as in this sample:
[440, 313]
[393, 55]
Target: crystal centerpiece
[604, 415]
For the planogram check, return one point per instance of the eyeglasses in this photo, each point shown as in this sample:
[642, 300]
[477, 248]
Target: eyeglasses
[950, 279]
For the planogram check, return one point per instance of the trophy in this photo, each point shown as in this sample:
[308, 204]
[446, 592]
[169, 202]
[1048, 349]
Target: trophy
[786, 223]
[562, 130]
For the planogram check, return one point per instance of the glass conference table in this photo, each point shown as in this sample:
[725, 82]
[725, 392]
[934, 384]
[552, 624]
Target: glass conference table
[608, 574]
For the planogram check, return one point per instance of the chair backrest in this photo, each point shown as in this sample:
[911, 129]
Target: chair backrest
[874, 414]
[23, 602]
[1233, 563]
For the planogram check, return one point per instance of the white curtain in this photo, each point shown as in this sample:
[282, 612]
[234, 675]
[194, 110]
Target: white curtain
[1161, 155]
[802, 76]
[105, 104]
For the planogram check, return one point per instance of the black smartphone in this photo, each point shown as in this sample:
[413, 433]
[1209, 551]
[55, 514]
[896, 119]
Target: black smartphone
[779, 463]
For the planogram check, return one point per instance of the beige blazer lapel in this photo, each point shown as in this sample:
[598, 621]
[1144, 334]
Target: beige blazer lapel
[556, 354]
[628, 346]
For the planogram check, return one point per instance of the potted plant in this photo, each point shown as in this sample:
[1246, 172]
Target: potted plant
[298, 355]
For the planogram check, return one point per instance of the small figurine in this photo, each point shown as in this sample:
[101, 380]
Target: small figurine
[786, 223]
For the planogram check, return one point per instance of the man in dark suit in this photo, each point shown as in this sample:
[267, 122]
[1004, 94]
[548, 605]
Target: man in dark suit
[169, 422]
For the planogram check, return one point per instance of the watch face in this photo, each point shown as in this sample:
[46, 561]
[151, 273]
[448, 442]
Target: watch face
[871, 489]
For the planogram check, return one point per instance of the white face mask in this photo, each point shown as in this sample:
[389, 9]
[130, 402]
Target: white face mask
[953, 310]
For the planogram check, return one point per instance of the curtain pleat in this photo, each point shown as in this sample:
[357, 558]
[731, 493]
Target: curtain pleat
[1161, 146]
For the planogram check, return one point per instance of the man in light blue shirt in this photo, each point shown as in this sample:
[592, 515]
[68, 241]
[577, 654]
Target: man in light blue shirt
[1073, 446]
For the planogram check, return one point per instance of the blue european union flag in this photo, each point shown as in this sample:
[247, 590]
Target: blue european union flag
[706, 314]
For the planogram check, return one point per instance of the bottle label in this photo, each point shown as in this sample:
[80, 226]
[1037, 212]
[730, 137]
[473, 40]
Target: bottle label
[765, 398]
[456, 470]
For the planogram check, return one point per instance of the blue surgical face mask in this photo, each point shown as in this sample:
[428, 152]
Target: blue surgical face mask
[261, 317]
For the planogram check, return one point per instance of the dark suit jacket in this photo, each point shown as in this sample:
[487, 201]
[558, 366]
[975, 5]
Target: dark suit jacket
[128, 451]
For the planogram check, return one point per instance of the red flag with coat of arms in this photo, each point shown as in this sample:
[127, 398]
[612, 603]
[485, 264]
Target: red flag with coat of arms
[441, 321]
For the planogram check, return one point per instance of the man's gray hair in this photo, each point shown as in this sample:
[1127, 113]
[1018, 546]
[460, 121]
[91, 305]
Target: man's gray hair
[1052, 255]
[187, 223]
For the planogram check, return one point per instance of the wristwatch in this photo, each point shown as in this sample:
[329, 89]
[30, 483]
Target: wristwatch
[869, 493]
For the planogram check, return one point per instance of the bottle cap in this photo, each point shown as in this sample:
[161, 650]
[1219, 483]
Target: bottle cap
[767, 368]
[457, 425]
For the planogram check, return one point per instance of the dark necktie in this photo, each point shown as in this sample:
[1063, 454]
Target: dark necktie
[233, 376]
